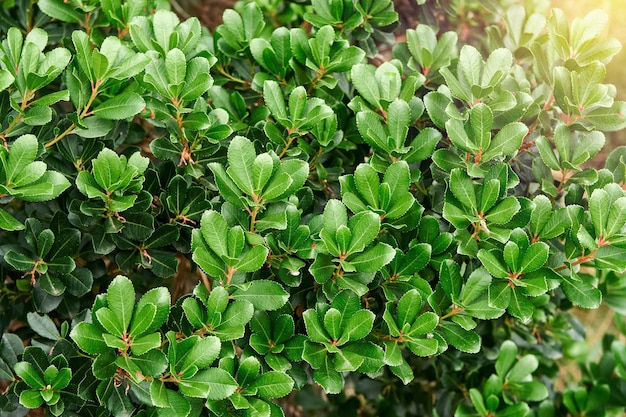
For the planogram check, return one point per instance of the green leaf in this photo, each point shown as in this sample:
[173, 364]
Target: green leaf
[374, 258]
[458, 136]
[202, 354]
[362, 76]
[262, 171]
[599, 207]
[112, 324]
[241, 156]
[332, 323]
[364, 227]
[481, 120]
[8, 222]
[107, 169]
[31, 398]
[221, 384]
[6, 79]
[436, 104]
[408, 307]
[145, 343]
[398, 121]
[175, 67]
[263, 294]
[215, 232]
[58, 9]
[367, 183]
[506, 358]
[252, 260]
[463, 189]
[546, 153]
[88, 337]
[520, 306]
[314, 328]
[507, 141]
[535, 257]
[275, 101]
[228, 189]
[328, 378]
[504, 211]
[37, 116]
[617, 217]
[121, 299]
[335, 215]
[581, 293]
[142, 320]
[525, 366]
[43, 326]
[424, 324]
[450, 279]
[21, 153]
[423, 347]
[359, 325]
[492, 261]
[27, 373]
[121, 107]
[272, 385]
[467, 341]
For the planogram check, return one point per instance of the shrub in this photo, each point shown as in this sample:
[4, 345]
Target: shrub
[407, 238]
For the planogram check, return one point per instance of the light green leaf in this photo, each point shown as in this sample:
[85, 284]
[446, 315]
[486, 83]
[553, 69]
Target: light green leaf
[221, 384]
[424, 324]
[176, 66]
[145, 343]
[458, 136]
[252, 260]
[8, 222]
[492, 261]
[204, 351]
[373, 259]
[314, 328]
[520, 306]
[463, 188]
[481, 121]
[599, 208]
[88, 337]
[273, 385]
[241, 156]
[121, 299]
[581, 293]
[21, 153]
[364, 227]
[362, 76]
[504, 211]
[27, 373]
[408, 307]
[215, 232]
[275, 101]
[58, 9]
[535, 257]
[367, 183]
[359, 325]
[507, 141]
[263, 294]
[467, 341]
[120, 107]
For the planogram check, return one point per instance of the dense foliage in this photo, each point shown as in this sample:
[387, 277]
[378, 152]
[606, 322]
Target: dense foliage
[201, 224]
